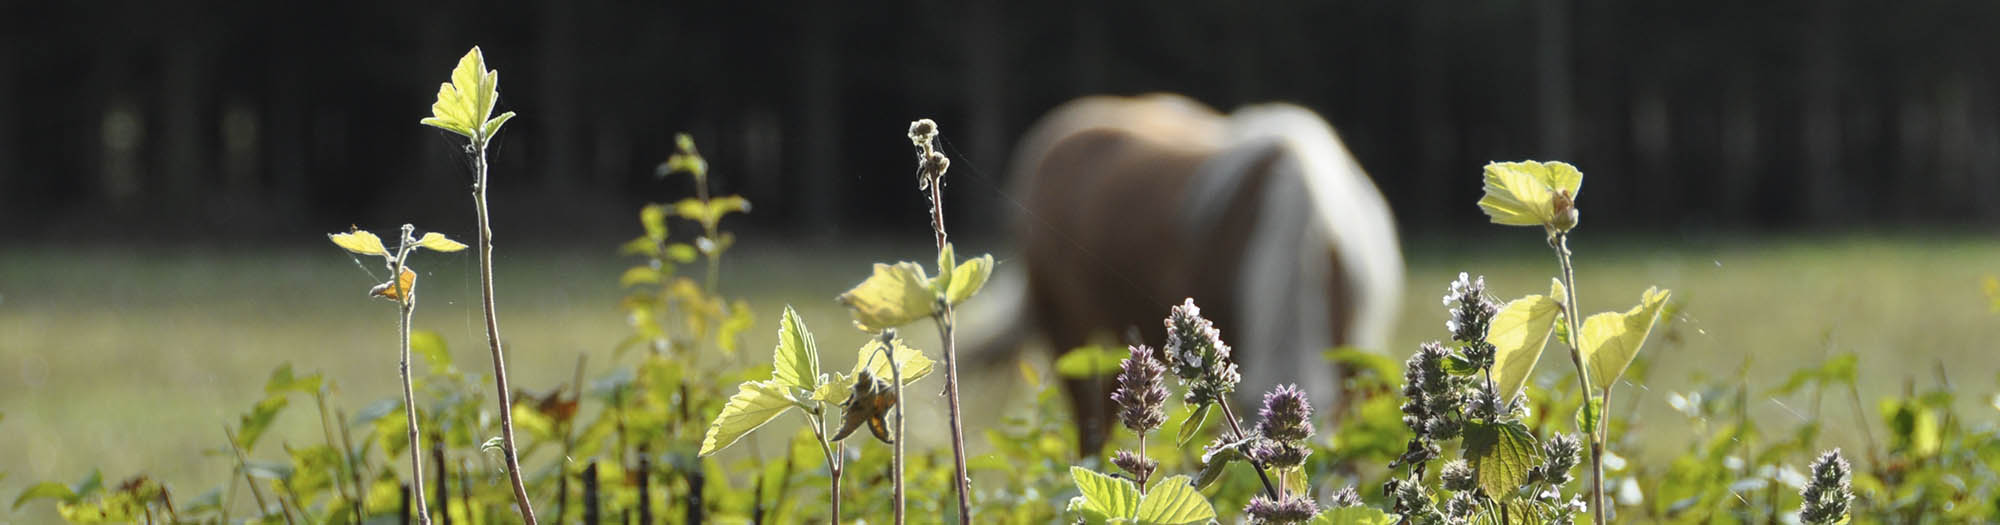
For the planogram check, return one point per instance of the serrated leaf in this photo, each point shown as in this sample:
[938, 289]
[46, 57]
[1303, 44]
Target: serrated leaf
[45, 490]
[1173, 501]
[1192, 425]
[754, 404]
[912, 362]
[437, 242]
[360, 242]
[968, 278]
[1215, 461]
[1501, 454]
[492, 127]
[465, 104]
[1088, 362]
[795, 361]
[1611, 340]
[1518, 334]
[1524, 193]
[1357, 515]
[893, 296]
[1104, 497]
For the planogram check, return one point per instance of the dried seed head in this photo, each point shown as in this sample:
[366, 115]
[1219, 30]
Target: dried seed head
[1458, 476]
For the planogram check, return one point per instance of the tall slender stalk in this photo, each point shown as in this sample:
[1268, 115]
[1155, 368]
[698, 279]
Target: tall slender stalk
[931, 166]
[896, 459]
[406, 307]
[493, 335]
[1570, 312]
[1230, 415]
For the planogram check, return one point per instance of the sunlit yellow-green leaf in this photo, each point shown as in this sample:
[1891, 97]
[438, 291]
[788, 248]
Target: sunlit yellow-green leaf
[729, 334]
[1501, 455]
[968, 278]
[891, 297]
[754, 404]
[913, 363]
[1174, 501]
[1518, 334]
[1525, 193]
[795, 362]
[1103, 498]
[1610, 340]
[437, 242]
[465, 104]
[360, 242]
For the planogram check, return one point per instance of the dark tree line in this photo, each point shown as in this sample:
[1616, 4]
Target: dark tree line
[265, 118]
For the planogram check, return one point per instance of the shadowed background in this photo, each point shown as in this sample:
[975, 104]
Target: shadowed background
[167, 171]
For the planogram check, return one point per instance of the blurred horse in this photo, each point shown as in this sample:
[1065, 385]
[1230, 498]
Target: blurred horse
[1262, 217]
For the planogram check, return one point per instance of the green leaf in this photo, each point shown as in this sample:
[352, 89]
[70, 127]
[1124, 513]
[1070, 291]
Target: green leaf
[437, 242]
[1104, 498]
[912, 362]
[1518, 334]
[1173, 501]
[282, 380]
[947, 262]
[90, 485]
[1524, 193]
[1090, 362]
[431, 346]
[795, 362]
[1611, 340]
[1215, 461]
[251, 426]
[638, 275]
[654, 218]
[754, 404]
[1192, 425]
[45, 490]
[1458, 365]
[729, 334]
[360, 242]
[893, 296]
[681, 253]
[1501, 455]
[968, 278]
[465, 105]
[1357, 515]
[1587, 415]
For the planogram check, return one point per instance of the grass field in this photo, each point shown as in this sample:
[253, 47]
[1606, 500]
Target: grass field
[131, 360]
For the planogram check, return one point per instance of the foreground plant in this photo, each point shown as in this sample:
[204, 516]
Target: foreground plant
[900, 294]
[865, 394]
[1531, 193]
[401, 288]
[465, 106]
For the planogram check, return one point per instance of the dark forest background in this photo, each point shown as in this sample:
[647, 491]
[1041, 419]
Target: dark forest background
[263, 119]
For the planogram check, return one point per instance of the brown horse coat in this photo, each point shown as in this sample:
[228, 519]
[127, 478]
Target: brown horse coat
[1263, 217]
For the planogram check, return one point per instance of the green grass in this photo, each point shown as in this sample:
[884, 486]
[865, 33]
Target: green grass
[131, 360]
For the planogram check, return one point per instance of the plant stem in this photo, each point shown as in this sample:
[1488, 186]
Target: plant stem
[243, 465]
[896, 460]
[1570, 312]
[353, 466]
[406, 308]
[1230, 415]
[834, 455]
[493, 336]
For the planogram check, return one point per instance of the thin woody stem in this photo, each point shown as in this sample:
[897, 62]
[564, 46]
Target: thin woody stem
[1230, 415]
[406, 307]
[493, 337]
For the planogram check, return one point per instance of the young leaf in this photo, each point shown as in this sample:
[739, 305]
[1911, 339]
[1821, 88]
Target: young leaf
[360, 242]
[1611, 340]
[1518, 333]
[408, 284]
[283, 380]
[968, 278]
[1588, 414]
[1105, 498]
[1357, 515]
[1501, 454]
[1215, 460]
[891, 297]
[1192, 425]
[1525, 193]
[728, 334]
[1089, 362]
[1173, 501]
[252, 425]
[45, 490]
[754, 404]
[465, 105]
[947, 263]
[796, 360]
[437, 242]
[913, 363]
